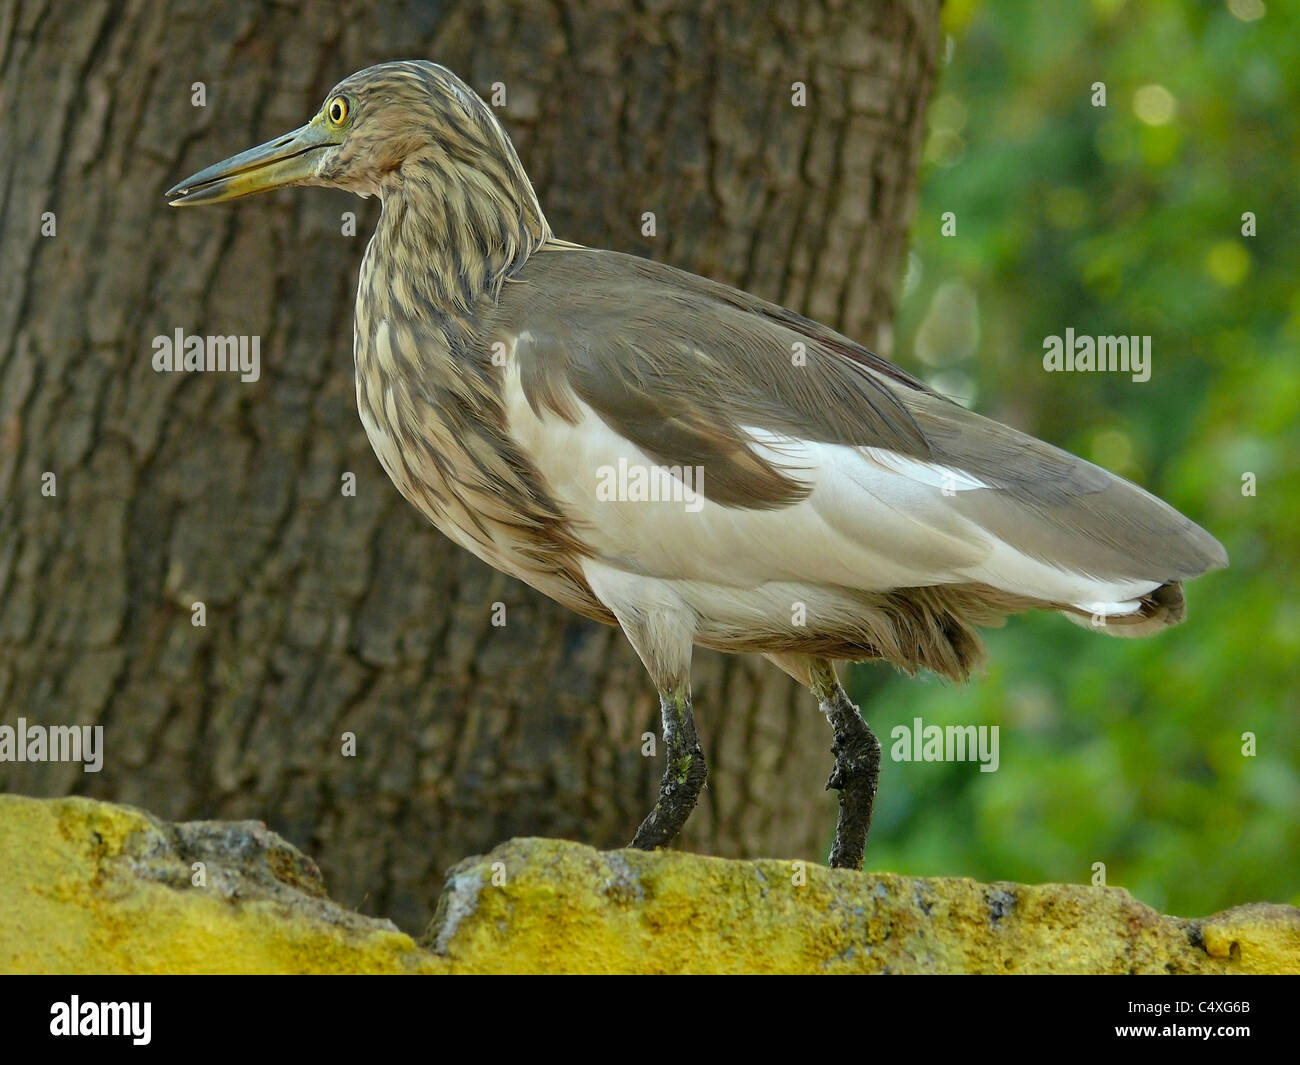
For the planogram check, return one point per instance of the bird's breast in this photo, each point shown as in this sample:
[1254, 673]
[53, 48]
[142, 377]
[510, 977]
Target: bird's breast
[426, 445]
[436, 425]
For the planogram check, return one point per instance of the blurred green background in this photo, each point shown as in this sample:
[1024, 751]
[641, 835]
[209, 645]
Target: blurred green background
[1123, 219]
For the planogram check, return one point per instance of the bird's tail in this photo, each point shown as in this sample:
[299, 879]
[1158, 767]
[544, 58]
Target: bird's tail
[1158, 609]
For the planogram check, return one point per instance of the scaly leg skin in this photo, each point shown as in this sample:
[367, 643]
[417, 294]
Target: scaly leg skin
[857, 767]
[684, 773]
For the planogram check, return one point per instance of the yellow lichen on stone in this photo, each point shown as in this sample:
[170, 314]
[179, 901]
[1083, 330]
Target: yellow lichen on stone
[87, 887]
[1259, 938]
[561, 907]
[73, 901]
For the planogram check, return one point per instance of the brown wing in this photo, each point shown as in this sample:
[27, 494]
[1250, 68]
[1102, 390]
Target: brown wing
[682, 367]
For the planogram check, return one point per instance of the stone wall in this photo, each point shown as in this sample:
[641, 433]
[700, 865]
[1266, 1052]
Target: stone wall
[88, 887]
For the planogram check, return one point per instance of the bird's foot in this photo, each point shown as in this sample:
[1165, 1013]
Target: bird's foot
[855, 776]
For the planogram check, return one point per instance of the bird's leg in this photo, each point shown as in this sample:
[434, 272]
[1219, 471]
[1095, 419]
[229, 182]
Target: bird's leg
[857, 766]
[661, 629]
[684, 772]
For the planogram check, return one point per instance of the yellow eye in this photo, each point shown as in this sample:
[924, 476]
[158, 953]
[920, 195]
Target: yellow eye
[338, 110]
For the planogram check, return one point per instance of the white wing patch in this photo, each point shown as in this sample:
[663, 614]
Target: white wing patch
[942, 477]
[873, 519]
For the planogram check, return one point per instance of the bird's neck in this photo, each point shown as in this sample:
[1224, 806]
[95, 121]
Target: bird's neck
[449, 235]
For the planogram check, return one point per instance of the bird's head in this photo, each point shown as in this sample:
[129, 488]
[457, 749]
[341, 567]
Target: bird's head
[375, 129]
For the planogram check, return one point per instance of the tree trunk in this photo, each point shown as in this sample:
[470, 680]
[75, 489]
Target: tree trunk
[328, 613]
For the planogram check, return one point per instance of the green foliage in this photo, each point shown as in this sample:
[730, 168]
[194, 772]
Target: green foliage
[1124, 219]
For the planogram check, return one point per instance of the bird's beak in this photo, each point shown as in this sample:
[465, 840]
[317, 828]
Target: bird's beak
[287, 160]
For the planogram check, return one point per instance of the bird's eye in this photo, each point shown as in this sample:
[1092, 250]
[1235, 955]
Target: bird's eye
[338, 110]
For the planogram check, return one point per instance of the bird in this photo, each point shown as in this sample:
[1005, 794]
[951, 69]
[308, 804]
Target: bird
[683, 460]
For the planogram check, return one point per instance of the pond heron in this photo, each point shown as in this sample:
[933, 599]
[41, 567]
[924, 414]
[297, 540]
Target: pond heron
[684, 460]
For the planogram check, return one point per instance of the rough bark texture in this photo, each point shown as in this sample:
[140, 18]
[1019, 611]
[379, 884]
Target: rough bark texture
[326, 613]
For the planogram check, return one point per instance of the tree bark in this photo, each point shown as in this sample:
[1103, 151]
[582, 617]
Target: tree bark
[328, 613]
